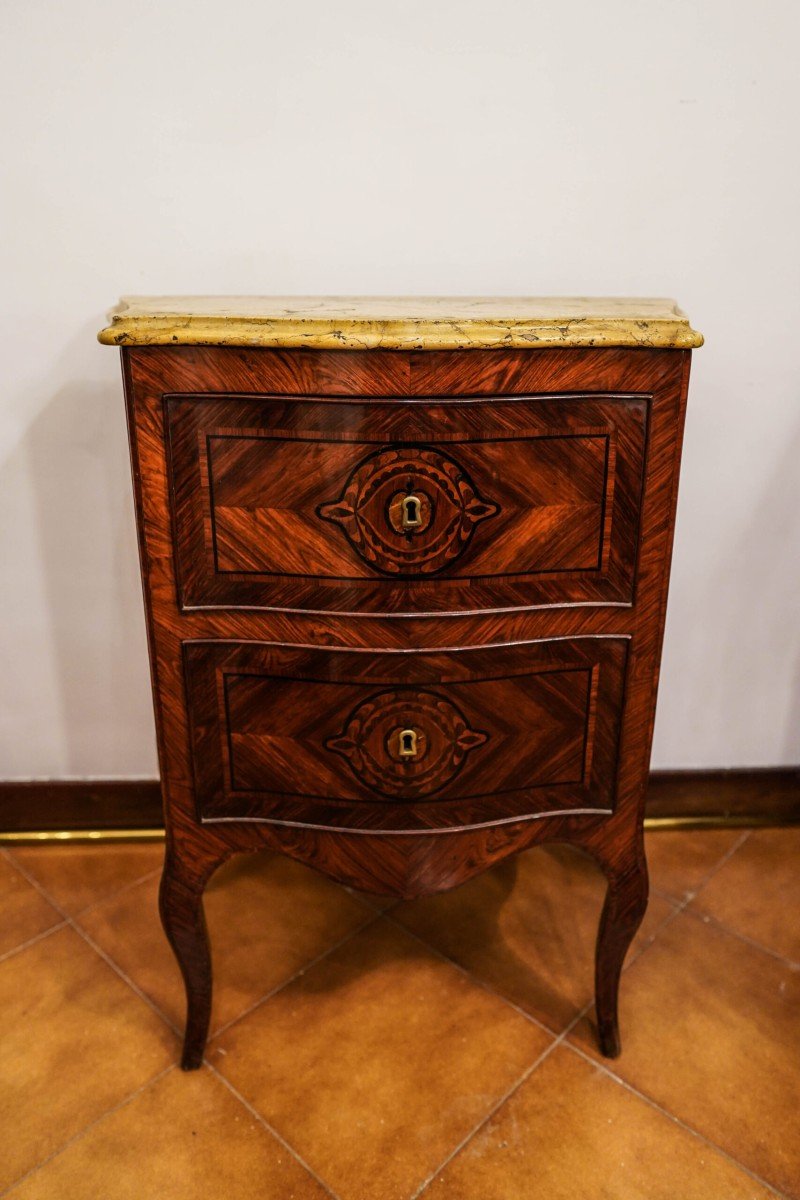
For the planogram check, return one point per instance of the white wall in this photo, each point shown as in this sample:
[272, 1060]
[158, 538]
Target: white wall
[417, 147]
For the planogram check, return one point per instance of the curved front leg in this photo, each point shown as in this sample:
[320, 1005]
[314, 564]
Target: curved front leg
[181, 907]
[623, 910]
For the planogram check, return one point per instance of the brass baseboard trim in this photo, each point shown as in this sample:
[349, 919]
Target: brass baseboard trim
[35, 836]
[710, 821]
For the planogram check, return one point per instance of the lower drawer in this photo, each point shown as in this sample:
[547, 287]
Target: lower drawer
[404, 741]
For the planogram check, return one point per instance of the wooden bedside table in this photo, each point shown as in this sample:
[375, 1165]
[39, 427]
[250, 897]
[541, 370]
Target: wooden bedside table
[405, 564]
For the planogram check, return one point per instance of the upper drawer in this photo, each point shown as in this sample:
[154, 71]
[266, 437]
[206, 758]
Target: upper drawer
[405, 506]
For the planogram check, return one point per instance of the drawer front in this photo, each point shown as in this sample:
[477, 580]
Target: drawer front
[405, 506]
[404, 741]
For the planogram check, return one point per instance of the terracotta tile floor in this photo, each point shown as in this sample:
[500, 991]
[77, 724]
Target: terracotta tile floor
[442, 1047]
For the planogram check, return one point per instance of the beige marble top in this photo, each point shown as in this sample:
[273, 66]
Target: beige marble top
[399, 322]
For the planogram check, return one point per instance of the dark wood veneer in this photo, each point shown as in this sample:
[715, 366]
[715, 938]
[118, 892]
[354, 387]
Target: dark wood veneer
[287, 503]
[302, 737]
[242, 622]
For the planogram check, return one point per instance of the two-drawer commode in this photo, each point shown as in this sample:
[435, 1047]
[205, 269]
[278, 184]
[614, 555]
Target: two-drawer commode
[405, 567]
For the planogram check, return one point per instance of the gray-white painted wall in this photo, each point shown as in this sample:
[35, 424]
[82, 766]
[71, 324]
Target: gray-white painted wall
[418, 147]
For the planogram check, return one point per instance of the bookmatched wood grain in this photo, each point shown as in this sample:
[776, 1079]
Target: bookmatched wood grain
[295, 504]
[312, 737]
[255, 645]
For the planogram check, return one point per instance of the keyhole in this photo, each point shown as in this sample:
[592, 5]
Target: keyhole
[411, 512]
[408, 743]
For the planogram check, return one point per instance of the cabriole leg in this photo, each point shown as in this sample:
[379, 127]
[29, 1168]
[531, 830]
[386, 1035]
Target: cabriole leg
[623, 910]
[181, 906]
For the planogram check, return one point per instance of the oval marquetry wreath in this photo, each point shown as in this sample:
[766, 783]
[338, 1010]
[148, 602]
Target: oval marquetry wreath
[444, 502]
[372, 741]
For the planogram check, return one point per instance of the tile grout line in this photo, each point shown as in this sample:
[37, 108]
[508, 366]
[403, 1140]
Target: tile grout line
[665, 1112]
[727, 856]
[26, 873]
[494, 991]
[481, 983]
[15, 866]
[677, 907]
[600, 1064]
[81, 1132]
[681, 907]
[685, 908]
[378, 916]
[32, 941]
[473, 1133]
[682, 904]
[709, 919]
[126, 887]
[371, 920]
[631, 958]
[274, 1132]
[68, 920]
[385, 915]
[689, 895]
[373, 916]
[559, 1040]
[127, 979]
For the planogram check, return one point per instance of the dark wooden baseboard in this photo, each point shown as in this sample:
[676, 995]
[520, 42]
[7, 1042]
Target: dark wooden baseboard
[766, 796]
[77, 805]
[759, 796]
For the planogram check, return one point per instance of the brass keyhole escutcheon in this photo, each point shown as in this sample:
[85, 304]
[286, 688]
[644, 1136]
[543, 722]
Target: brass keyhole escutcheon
[410, 512]
[411, 507]
[408, 743]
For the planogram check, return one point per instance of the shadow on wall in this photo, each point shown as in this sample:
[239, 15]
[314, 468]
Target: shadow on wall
[75, 457]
